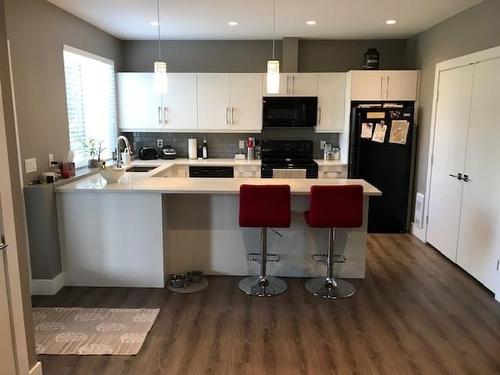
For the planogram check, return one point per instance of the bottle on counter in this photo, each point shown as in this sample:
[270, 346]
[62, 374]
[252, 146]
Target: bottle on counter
[204, 149]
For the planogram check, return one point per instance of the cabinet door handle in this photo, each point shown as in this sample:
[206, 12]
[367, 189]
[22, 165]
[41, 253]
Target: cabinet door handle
[293, 84]
[232, 115]
[387, 88]
[227, 115]
[381, 85]
[288, 84]
[319, 115]
[165, 115]
[160, 121]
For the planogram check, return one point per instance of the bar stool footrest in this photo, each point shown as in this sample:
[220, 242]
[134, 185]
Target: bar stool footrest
[256, 257]
[323, 258]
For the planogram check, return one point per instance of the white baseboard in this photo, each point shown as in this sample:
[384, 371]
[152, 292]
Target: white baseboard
[47, 287]
[37, 369]
[418, 232]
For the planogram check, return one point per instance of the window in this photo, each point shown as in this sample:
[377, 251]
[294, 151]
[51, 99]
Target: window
[91, 102]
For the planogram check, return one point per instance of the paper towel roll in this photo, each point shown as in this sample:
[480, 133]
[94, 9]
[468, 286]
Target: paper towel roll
[192, 148]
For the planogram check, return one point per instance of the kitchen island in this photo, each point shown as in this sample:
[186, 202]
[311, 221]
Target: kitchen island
[135, 232]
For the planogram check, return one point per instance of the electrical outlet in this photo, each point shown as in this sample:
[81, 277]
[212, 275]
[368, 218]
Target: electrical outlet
[242, 145]
[159, 143]
[322, 145]
[51, 159]
[30, 165]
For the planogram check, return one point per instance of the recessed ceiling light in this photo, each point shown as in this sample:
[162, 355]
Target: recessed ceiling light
[233, 23]
[154, 23]
[390, 22]
[311, 22]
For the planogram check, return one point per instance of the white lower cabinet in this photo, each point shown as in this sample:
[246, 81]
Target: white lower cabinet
[333, 171]
[247, 171]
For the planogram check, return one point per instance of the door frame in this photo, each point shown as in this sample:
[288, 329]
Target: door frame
[454, 63]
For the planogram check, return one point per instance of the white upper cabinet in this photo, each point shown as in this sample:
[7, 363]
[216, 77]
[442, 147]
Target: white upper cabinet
[331, 102]
[213, 101]
[245, 101]
[179, 103]
[294, 84]
[383, 85]
[139, 105]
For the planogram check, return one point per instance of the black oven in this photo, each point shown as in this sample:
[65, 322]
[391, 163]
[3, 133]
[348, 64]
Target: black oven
[289, 111]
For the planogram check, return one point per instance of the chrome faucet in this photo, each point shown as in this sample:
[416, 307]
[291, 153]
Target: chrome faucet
[119, 161]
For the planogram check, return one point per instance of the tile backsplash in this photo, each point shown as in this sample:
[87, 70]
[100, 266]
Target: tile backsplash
[226, 145]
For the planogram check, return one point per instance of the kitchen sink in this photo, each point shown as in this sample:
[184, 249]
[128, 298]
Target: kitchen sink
[142, 169]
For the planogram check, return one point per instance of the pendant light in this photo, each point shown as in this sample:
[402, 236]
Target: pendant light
[273, 66]
[160, 67]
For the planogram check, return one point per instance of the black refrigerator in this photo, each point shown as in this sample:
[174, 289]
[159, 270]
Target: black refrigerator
[381, 152]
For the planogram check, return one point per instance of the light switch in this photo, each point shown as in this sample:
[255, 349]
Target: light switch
[30, 165]
[322, 145]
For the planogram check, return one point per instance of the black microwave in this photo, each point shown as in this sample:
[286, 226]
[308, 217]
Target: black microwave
[289, 111]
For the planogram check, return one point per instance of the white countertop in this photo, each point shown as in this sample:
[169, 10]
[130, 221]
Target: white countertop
[222, 162]
[146, 183]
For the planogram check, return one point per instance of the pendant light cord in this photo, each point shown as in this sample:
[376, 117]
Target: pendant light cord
[274, 26]
[159, 29]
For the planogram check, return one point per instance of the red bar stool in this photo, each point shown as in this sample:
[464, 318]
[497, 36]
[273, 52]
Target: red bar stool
[333, 207]
[264, 206]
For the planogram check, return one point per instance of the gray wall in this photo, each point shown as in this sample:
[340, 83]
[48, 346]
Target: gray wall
[207, 56]
[473, 30]
[37, 31]
[344, 55]
[15, 187]
[251, 55]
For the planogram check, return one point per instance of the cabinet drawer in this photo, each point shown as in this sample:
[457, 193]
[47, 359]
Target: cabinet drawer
[247, 172]
[332, 172]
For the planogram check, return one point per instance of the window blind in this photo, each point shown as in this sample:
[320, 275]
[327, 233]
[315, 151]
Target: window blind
[91, 102]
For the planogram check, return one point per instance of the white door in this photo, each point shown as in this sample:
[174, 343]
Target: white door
[139, 104]
[303, 84]
[450, 139]
[367, 85]
[6, 344]
[479, 235]
[245, 101]
[213, 101]
[401, 85]
[331, 102]
[179, 103]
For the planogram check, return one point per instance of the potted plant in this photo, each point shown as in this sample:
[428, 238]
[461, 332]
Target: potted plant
[94, 149]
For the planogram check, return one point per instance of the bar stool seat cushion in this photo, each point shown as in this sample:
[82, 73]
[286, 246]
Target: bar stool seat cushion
[264, 206]
[335, 206]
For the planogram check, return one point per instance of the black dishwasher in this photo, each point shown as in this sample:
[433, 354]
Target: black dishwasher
[211, 172]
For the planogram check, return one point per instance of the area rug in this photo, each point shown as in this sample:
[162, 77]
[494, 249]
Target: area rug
[83, 331]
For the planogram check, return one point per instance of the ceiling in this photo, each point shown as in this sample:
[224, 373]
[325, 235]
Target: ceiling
[207, 19]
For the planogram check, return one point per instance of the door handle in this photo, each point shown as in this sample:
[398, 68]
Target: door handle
[466, 178]
[232, 115]
[159, 116]
[227, 115]
[458, 176]
[293, 84]
[288, 84]
[381, 85]
[165, 115]
[3, 246]
[319, 115]
[387, 88]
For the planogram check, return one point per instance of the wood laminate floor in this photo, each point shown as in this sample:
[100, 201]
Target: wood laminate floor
[415, 313]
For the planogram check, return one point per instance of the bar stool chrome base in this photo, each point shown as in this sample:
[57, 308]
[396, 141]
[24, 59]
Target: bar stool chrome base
[263, 286]
[325, 288]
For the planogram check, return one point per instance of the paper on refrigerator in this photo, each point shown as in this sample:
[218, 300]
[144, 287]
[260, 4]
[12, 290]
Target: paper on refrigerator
[379, 133]
[367, 130]
[399, 131]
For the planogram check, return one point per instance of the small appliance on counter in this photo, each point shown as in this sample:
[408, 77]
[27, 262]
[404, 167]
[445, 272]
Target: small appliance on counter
[167, 153]
[192, 148]
[148, 153]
